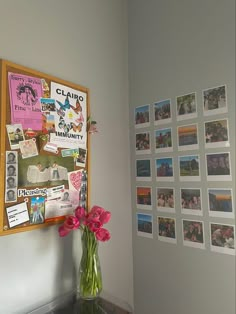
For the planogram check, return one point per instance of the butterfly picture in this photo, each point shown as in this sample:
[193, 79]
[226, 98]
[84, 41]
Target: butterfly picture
[77, 108]
[76, 128]
[66, 104]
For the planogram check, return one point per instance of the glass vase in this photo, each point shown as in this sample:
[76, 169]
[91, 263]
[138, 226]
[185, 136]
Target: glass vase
[89, 284]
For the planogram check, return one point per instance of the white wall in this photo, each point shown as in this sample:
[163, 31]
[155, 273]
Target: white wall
[83, 41]
[178, 47]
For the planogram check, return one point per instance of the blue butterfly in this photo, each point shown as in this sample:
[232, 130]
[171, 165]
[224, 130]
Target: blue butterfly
[64, 106]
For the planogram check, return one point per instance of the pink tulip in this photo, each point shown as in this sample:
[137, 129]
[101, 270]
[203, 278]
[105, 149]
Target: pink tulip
[97, 210]
[80, 212]
[105, 217]
[103, 235]
[71, 223]
[94, 226]
[62, 231]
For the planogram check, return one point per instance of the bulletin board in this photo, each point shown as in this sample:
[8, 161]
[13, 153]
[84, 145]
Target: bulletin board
[44, 150]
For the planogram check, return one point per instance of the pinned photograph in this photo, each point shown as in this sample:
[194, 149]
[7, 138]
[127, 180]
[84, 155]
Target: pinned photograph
[17, 214]
[220, 203]
[81, 159]
[143, 170]
[37, 210]
[186, 106]
[28, 148]
[48, 122]
[189, 168]
[188, 137]
[142, 116]
[166, 229]
[191, 201]
[11, 157]
[10, 195]
[143, 143]
[218, 167]
[11, 170]
[164, 169]
[165, 200]
[193, 233]
[41, 170]
[163, 140]
[144, 197]
[55, 192]
[144, 225]
[217, 133]
[215, 100]
[162, 112]
[222, 238]
[47, 104]
[15, 135]
[11, 182]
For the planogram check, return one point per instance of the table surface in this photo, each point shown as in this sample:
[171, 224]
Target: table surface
[73, 305]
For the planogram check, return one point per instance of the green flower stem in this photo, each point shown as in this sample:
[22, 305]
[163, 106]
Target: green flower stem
[90, 278]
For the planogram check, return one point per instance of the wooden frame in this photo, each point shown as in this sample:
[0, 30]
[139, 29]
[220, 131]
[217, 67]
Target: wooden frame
[7, 67]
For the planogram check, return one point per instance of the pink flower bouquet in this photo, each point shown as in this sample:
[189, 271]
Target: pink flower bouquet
[91, 224]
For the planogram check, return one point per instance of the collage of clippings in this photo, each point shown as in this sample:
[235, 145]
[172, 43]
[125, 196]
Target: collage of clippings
[46, 156]
[167, 142]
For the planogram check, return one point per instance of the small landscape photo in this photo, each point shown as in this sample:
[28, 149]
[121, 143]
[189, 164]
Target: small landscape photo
[144, 224]
[143, 197]
[189, 166]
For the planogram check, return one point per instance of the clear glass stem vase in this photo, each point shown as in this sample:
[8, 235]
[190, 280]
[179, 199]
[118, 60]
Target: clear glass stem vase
[89, 284]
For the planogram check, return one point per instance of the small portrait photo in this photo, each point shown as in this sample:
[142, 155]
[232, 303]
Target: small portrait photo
[188, 137]
[222, 238]
[186, 106]
[10, 195]
[143, 170]
[164, 169]
[189, 168]
[163, 140]
[144, 197]
[11, 170]
[47, 104]
[142, 116]
[165, 200]
[166, 229]
[144, 225]
[11, 182]
[191, 202]
[218, 167]
[11, 157]
[37, 210]
[143, 143]
[81, 160]
[193, 233]
[48, 122]
[215, 100]
[28, 148]
[65, 196]
[220, 203]
[15, 135]
[162, 112]
[217, 133]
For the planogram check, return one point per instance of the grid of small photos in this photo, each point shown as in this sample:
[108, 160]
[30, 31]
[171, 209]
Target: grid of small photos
[156, 141]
